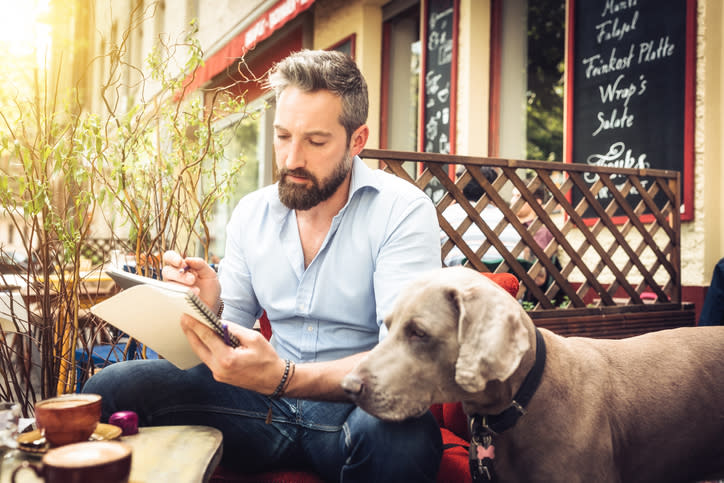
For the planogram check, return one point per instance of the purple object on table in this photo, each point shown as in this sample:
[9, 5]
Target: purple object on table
[126, 420]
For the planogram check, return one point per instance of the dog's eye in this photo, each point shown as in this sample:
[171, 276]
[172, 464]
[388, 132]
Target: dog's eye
[415, 332]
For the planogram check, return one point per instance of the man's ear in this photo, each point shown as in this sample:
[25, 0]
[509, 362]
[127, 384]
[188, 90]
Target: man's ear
[359, 140]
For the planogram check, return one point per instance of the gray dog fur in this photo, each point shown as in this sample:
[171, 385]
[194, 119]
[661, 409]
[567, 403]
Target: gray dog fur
[644, 409]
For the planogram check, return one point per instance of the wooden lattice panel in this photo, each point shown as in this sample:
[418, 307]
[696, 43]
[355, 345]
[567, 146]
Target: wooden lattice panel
[607, 255]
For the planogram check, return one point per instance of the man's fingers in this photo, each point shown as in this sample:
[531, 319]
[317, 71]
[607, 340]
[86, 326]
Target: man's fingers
[198, 345]
[175, 269]
[247, 337]
[173, 258]
[206, 339]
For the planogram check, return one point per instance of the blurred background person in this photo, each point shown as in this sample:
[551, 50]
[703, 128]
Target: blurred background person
[473, 236]
[712, 313]
[527, 216]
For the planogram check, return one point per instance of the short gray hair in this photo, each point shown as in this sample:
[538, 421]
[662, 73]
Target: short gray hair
[314, 70]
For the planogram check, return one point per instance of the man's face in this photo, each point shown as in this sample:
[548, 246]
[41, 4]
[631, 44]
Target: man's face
[311, 147]
[525, 209]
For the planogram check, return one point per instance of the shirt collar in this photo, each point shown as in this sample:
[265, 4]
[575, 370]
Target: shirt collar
[362, 176]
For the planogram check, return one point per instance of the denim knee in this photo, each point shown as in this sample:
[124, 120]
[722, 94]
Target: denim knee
[124, 385]
[391, 451]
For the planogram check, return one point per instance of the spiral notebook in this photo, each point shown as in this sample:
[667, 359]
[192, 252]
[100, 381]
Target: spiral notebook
[151, 314]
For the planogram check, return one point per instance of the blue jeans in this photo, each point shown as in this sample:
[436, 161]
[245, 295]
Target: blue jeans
[338, 441]
[712, 312]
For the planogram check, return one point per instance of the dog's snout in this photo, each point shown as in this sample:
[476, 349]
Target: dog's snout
[352, 385]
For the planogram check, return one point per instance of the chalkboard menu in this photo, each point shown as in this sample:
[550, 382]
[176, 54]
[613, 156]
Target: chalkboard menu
[438, 82]
[629, 86]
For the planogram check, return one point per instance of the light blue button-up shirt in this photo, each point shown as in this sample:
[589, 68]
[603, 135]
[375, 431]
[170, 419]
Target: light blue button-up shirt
[386, 235]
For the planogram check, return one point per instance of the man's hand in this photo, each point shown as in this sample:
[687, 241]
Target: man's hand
[194, 273]
[253, 365]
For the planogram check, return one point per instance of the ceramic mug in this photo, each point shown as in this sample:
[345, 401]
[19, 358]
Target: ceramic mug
[71, 418]
[88, 462]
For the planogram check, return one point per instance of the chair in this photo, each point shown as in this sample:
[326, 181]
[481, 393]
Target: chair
[450, 417]
[106, 354]
[493, 264]
[558, 298]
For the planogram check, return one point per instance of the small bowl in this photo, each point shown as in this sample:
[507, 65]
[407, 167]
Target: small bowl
[71, 418]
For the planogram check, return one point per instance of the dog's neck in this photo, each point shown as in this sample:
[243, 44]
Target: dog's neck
[498, 395]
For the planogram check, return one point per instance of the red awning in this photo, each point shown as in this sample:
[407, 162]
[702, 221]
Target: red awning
[269, 22]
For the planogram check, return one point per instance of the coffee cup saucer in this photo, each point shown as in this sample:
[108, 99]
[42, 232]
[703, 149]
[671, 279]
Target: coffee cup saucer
[34, 443]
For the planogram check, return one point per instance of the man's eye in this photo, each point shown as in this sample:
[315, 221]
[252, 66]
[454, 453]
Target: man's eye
[316, 143]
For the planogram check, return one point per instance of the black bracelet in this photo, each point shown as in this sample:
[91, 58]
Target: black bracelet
[221, 309]
[280, 387]
[278, 391]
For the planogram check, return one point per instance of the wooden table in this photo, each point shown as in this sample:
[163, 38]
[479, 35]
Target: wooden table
[182, 454]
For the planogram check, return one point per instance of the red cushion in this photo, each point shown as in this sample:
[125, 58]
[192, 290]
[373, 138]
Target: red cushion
[506, 280]
[454, 419]
[436, 410]
[222, 475]
[265, 326]
[454, 466]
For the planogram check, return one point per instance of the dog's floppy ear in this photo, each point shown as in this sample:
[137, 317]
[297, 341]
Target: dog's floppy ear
[491, 334]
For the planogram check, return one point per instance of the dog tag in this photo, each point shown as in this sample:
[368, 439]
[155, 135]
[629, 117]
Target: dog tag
[481, 462]
[484, 452]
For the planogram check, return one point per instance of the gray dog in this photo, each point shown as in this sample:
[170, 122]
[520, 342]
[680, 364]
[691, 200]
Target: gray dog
[648, 408]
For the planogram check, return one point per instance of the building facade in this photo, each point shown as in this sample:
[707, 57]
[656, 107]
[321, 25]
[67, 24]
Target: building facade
[499, 78]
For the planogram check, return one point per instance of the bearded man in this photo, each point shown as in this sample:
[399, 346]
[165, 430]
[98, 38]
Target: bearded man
[325, 251]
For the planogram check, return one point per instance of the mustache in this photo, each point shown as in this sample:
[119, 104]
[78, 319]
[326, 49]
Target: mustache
[299, 172]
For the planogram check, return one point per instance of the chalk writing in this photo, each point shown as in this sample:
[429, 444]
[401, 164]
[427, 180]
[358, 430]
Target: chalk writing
[438, 76]
[628, 86]
[617, 156]
[611, 7]
[596, 65]
[647, 53]
[614, 120]
[616, 29]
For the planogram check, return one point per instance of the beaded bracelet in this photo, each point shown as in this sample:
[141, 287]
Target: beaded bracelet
[221, 309]
[289, 379]
[281, 387]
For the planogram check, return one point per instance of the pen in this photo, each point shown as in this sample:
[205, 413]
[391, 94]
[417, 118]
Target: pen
[226, 333]
[184, 269]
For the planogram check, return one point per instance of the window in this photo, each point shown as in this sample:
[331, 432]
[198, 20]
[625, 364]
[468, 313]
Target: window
[247, 136]
[531, 73]
[401, 60]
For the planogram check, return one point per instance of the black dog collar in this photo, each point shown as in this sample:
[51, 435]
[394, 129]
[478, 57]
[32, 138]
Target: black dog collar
[484, 427]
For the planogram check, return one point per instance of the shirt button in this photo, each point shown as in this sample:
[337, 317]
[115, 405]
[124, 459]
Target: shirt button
[301, 307]
[310, 328]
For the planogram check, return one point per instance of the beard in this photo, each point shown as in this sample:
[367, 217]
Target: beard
[300, 197]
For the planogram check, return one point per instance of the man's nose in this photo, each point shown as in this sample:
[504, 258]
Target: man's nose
[294, 156]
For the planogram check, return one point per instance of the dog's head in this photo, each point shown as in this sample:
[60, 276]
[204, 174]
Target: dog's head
[451, 333]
